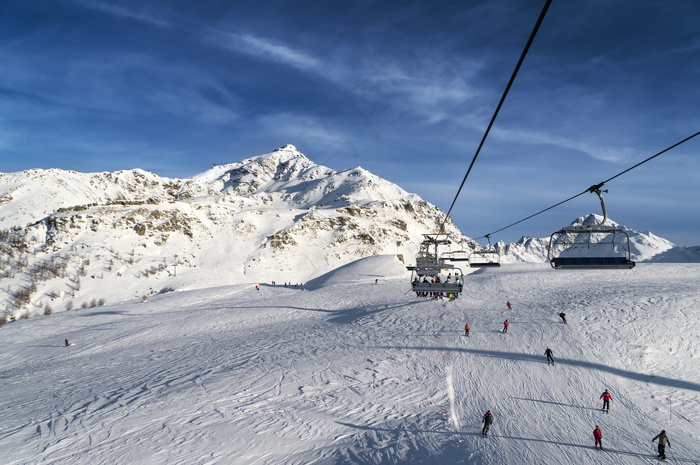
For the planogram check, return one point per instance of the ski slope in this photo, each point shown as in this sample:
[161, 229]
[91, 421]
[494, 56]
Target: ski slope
[347, 371]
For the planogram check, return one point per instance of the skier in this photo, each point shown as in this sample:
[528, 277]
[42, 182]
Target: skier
[505, 326]
[549, 354]
[562, 315]
[67, 345]
[663, 440]
[488, 419]
[256, 287]
[607, 397]
[466, 330]
[510, 307]
[598, 435]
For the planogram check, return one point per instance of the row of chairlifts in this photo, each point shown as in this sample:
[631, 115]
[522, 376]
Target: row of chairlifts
[590, 246]
[585, 246]
[430, 265]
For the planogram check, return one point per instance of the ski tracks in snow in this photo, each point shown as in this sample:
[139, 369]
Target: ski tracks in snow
[348, 374]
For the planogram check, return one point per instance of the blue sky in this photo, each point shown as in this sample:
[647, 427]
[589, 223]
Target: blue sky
[403, 89]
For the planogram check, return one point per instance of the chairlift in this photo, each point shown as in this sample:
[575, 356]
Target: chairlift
[486, 257]
[595, 246]
[456, 256]
[426, 276]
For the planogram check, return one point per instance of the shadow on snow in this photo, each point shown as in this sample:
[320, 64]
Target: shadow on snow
[556, 403]
[660, 380]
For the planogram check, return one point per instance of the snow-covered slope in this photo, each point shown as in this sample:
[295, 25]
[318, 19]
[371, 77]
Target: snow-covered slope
[679, 254]
[357, 372]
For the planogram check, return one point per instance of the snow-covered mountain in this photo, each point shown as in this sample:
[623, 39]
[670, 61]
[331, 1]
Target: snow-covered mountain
[279, 217]
[66, 236]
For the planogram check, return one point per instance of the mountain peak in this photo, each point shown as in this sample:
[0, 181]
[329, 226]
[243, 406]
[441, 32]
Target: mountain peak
[288, 148]
[593, 219]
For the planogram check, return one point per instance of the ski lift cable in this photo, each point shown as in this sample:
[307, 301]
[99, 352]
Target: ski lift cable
[651, 157]
[498, 108]
[592, 188]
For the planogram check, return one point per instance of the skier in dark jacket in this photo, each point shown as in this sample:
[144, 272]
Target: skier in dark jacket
[663, 440]
[67, 343]
[562, 315]
[549, 354]
[488, 419]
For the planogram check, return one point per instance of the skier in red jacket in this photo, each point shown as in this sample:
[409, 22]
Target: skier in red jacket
[598, 435]
[505, 326]
[606, 400]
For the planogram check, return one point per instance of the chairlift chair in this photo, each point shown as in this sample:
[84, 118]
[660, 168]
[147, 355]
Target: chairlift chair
[429, 264]
[460, 255]
[427, 260]
[610, 244]
[456, 256]
[485, 258]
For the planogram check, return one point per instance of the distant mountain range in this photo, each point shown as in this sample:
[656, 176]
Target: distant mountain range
[277, 217]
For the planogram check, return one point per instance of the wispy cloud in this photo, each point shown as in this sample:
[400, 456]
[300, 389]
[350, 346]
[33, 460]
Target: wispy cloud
[265, 48]
[418, 83]
[280, 52]
[320, 138]
[603, 153]
[117, 10]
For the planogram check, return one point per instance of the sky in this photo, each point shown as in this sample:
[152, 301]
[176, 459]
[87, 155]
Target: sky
[402, 89]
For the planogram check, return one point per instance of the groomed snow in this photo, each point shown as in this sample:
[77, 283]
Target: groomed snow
[348, 371]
